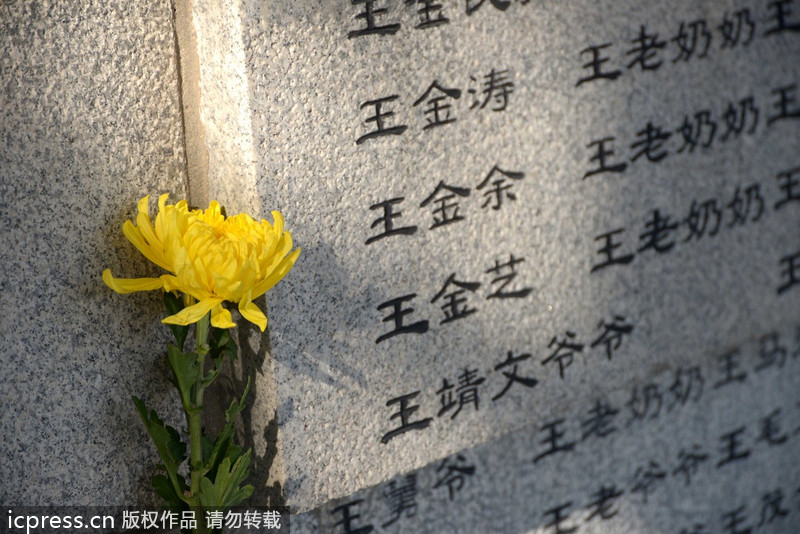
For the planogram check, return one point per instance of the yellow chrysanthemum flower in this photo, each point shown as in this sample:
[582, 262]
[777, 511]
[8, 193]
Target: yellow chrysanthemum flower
[212, 259]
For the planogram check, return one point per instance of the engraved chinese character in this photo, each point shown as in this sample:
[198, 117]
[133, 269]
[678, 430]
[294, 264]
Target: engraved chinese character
[405, 411]
[595, 65]
[379, 119]
[437, 98]
[396, 316]
[369, 17]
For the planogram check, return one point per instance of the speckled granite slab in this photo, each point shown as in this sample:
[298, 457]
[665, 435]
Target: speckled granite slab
[507, 209]
[688, 450]
[89, 123]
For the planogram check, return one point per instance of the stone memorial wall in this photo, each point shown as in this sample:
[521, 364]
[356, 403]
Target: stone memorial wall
[90, 122]
[708, 449]
[511, 212]
[550, 278]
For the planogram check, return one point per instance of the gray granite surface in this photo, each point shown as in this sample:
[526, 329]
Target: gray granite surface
[672, 470]
[689, 109]
[704, 297]
[89, 124]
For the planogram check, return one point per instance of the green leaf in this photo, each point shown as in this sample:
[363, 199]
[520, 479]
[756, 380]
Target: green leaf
[237, 406]
[219, 451]
[186, 368]
[244, 493]
[212, 375]
[174, 305]
[224, 490]
[223, 445]
[164, 489]
[208, 446]
[234, 451]
[168, 443]
[221, 344]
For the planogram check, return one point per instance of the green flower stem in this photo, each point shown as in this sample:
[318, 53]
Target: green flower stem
[195, 419]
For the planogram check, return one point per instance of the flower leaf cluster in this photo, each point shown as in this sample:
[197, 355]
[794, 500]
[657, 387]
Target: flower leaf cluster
[211, 259]
[223, 466]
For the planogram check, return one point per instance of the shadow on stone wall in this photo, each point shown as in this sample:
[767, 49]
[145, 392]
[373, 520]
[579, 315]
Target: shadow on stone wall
[253, 362]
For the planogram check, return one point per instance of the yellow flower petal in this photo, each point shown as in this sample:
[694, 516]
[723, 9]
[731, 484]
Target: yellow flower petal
[145, 228]
[221, 318]
[162, 217]
[276, 275]
[130, 285]
[278, 224]
[170, 282]
[210, 258]
[192, 314]
[253, 313]
[135, 236]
